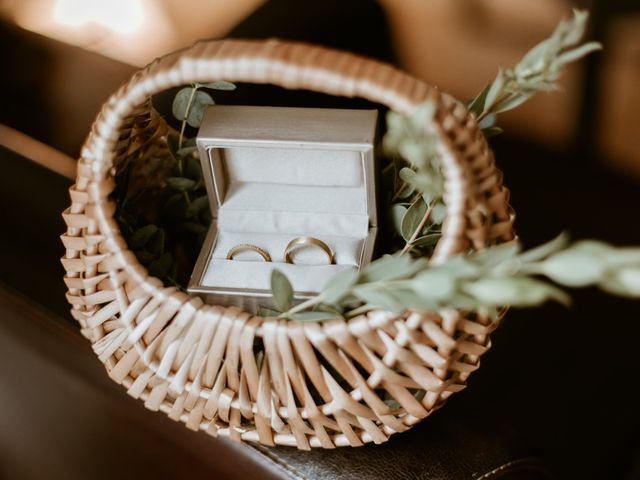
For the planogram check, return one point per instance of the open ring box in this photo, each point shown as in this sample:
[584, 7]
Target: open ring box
[273, 174]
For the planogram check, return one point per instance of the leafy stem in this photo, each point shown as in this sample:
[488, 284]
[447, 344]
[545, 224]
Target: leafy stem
[187, 111]
[409, 244]
[538, 71]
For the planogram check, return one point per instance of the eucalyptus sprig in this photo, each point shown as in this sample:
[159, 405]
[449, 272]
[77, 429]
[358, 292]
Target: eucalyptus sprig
[411, 141]
[538, 70]
[501, 275]
[165, 226]
[190, 103]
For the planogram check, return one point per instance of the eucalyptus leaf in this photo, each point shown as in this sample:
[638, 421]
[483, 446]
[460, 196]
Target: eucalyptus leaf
[488, 121]
[142, 235]
[511, 102]
[144, 257]
[281, 290]
[194, 227]
[197, 206]
[476, 105]
[189, 105]
[338, 286]
[397, 213]
[395, 300]
[575, 267]
[427, 240]
[313, 316]
[515, 291]
[546, 249]
[495, 89]
[435, 283]
[219, 85]
[439, 213]
[412, 218]
[162, 265]
[181, 184]
[408, 175]
[491, 132]
[497, 254]
[175, 199]
[378, 298]
[156, 244]
[186, 151]
[267, 312]
[391, 267]
[625, 282]
[193, 169]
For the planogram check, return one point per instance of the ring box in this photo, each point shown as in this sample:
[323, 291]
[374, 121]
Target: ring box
[274, 174]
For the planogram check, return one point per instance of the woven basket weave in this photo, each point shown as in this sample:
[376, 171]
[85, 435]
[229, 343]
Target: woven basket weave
[196, 362]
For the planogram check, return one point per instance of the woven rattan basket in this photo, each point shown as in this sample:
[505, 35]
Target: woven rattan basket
[196, 362]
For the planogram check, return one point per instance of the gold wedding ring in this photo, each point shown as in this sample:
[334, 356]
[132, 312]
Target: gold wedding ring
[306, 241]
[244, 247]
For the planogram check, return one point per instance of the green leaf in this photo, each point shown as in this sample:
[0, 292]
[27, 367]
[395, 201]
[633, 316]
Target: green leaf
[462, 267]
[578, 53]
[511, 102]
[156, 243]
[338, 286]
[190, 105]
[497, 254]
[267, 312]
[544, 250]
[181, 184]
[197, 206]
[194, 227]
[495, 89]
[435, 283]
[313, 316]
[395, 300]
[476, 105]
[625, 282]
[580, 265]
[219, 85]
[427, 240]
[397, 215]
[408, 175]
[193, 169]
[144, 257]
[439, 213]
[281, 290]
[413, 217]
[391, 267]
[142, 235]
[488, 121]
[186, 151]
[161, 266]
[174, 199]
[490, 132]
[515, 291]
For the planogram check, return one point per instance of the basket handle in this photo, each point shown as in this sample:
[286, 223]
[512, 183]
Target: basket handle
[300, 66]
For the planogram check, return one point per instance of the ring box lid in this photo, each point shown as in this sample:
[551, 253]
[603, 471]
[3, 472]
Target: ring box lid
[308, 130]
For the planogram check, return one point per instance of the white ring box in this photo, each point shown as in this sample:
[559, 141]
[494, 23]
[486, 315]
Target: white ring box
[273, 174]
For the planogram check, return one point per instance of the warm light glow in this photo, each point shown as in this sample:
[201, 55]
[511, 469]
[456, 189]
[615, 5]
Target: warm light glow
[120, 16]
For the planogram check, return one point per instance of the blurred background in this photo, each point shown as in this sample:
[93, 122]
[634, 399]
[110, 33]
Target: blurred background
[562, 382]
[453, 44]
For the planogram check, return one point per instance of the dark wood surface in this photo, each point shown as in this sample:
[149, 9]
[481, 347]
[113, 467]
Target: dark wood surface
[61, 417]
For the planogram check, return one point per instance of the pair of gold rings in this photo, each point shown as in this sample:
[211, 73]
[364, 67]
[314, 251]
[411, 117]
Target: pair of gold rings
[292, 246]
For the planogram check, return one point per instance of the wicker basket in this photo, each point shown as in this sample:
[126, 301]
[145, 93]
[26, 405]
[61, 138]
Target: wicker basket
[196, 362]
